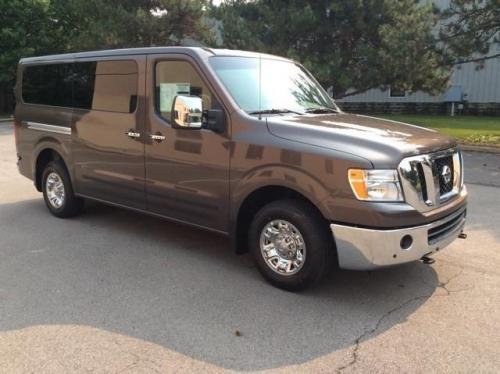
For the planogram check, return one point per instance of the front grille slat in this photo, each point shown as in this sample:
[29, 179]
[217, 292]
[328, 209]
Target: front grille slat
[421, 177]
[437, 233]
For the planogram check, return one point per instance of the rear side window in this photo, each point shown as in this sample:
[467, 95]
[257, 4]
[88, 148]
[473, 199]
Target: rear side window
[115, 86]
[93, 85]
[47, 85]
[83, 78]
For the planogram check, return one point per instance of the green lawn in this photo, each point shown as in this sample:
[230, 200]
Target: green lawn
[467, 129]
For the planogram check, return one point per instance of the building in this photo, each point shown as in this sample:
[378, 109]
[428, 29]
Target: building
[474, 89]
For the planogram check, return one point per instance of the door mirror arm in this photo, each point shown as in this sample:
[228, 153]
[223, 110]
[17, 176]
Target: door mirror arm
[214, 119]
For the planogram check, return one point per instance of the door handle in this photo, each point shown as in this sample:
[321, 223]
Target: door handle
[132, 134]
[158, 137]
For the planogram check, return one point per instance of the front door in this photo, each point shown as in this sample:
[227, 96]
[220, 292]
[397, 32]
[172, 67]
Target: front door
[108, 141]
[187, 170]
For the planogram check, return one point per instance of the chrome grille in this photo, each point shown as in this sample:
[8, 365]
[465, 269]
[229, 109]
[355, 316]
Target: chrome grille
[444, 169]
[432, 179]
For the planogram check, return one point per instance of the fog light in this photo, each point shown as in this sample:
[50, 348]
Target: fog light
[406, 242]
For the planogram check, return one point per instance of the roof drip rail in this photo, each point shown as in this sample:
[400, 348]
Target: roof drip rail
[209, 50]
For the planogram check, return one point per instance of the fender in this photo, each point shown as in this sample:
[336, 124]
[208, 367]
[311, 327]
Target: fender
[294, 179]
[280, 176]
[54, 144]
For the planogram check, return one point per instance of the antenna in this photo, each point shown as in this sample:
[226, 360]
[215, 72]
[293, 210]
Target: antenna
[260, 86]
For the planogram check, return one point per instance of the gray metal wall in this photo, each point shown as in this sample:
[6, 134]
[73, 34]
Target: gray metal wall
[482, 85]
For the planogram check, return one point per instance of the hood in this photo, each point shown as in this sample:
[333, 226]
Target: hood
[383, 142]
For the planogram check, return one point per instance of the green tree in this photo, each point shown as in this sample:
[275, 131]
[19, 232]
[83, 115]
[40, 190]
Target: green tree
[350, 45]
[241, 24]
[23, 33]
[98, 24]
[38, 27]
[470, 29]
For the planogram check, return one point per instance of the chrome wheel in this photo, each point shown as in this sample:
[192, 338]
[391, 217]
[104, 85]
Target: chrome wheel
[282, 247]
[54, 188]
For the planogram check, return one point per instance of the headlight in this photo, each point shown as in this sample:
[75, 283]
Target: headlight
[375, 185]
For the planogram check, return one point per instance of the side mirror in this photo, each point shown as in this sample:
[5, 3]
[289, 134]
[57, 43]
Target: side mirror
[215, 120]
[186, 112]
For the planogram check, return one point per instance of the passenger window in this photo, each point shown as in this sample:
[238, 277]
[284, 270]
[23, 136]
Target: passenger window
[83, 77]
[103, 85]
[47, 85]
[178, 78]
[115, 86]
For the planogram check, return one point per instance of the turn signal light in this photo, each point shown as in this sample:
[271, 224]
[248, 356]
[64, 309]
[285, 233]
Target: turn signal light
[375, 185]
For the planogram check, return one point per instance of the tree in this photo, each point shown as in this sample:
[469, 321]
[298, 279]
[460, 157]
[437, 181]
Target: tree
[99, 24]
[241, 24]
[351, 45]
[470, 29]
[24, 33]
[38, 27]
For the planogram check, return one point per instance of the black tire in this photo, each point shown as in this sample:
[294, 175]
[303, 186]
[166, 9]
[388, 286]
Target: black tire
[71, 205]
[314, 231]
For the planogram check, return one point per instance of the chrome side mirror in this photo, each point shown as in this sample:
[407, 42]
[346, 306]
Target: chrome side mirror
[186, 112]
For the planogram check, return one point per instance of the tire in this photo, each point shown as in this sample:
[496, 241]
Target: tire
[58, 191]
[308, 256]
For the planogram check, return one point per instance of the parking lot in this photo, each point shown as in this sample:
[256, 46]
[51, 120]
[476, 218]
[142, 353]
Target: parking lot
[116, 291]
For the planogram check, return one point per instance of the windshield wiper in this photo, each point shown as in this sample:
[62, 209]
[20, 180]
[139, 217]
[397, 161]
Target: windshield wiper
[321, 110]
[274, 111]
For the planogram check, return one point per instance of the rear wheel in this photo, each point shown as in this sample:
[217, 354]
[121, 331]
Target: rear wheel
[58, 191]
[290, 243]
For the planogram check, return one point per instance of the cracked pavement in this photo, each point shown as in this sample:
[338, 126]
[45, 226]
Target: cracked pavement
[114, 291]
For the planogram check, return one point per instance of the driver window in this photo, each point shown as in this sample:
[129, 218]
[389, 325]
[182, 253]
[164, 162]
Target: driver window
[178, 78]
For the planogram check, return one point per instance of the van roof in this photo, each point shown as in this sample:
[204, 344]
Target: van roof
[198, 51]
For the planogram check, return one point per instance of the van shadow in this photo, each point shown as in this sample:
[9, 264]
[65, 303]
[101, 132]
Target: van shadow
[185, 290]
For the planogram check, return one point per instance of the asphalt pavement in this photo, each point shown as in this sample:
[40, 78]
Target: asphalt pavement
[114, 291]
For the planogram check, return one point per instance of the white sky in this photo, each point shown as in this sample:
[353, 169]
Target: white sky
[158, 12]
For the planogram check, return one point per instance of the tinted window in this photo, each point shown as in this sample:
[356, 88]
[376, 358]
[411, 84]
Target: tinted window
[47, 85]
[83, 77]
[115, 86]
[178, 78]
[394, 92]
[104, 85]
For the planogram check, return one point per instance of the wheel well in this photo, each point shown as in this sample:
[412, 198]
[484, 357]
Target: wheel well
[46, 156]
[254, 202]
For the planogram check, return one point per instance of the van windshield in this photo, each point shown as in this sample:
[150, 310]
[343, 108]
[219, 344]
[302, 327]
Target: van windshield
[285, 87]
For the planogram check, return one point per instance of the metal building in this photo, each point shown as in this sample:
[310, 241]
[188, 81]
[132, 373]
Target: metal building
[474, 88]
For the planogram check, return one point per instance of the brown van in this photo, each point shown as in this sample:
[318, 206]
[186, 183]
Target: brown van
[243, 144]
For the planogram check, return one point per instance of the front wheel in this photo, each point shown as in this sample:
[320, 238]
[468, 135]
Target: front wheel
[58, 191]
[290, 243]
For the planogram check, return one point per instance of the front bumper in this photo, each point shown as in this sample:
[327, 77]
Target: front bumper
[365, 249]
